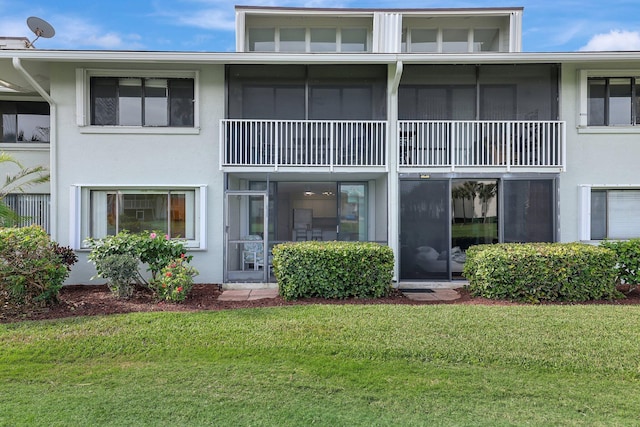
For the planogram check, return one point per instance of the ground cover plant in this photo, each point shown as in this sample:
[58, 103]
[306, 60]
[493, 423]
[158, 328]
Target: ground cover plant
[327, 365]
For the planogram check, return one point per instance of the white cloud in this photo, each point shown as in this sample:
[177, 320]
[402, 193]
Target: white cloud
[614, 40]
[76, 33]
[210, 19]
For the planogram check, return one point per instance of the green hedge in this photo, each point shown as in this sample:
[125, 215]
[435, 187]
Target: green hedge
[534, 272]
[333, 269]
[628, 266]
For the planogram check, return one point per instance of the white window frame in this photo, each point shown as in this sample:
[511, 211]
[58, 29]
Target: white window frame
[584, 206]
[582, 101]
[83, 101]
[80, 209]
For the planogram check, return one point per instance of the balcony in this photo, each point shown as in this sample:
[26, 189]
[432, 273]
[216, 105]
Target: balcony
[500, 145]
[303, 144]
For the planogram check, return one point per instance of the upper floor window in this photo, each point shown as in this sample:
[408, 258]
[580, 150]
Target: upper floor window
[613, 101]
[451, 40]
[126, 101]
[298, 39]
[24, 122]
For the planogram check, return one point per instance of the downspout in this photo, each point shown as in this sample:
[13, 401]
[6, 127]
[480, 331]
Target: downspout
[53, 152]
[394, 184]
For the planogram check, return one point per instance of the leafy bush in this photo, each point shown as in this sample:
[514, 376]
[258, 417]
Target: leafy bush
[628, 267]
[333, 269]
[122, 271]
[32, 267]
[174, 281]
[151, 248]
[534, 272]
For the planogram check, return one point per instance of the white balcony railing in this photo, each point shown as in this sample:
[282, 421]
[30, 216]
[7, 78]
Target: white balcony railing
[505, 144]
[303, 143]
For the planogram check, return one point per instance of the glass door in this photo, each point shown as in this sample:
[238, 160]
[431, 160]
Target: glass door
[352, 211]
[474, 218]
[247, 255]
[424, 229]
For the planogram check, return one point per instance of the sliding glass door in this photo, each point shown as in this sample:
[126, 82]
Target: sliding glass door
[441, 218]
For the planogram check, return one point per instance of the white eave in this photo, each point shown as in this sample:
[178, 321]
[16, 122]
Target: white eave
[39, 55]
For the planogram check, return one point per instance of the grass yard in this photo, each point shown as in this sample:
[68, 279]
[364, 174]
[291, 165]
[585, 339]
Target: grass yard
[334, 365]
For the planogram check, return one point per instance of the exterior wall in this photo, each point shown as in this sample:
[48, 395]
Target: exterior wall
[607, 158]
[141, 160]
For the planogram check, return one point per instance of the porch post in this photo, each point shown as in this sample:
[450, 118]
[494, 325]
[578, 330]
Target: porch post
[393, 202]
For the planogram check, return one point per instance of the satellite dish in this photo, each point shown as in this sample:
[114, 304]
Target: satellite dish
[40, 28]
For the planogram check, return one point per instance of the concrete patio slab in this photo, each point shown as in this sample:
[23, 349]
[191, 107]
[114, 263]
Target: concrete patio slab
[247, 294]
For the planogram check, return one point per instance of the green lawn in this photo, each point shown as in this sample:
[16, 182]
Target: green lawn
[336, 365]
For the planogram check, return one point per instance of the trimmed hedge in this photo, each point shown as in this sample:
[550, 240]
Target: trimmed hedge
[628, 266]
[534, 272]
[333, 269]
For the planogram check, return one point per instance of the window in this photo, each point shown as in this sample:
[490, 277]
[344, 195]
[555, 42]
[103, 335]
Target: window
[262, 40]
[24, 122]
[300, 39]
[323, 40]
[451, 40]
[292, 40]
[30, 208]
[353, 40]
[613, 101]
[177, 212]
[614, 214]
[126, 101]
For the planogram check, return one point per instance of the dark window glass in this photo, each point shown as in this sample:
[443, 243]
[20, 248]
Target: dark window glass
[528, 211]
[24, 121]
[598, 214]
[612, 101]
[142, 102]
[181, 97]
[104, 94]
[597, 89]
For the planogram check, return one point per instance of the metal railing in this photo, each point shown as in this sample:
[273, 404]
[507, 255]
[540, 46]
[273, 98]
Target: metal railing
[303, 143]
[506, 144]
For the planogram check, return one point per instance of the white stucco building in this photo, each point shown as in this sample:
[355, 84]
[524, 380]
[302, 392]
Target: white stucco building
[428, 130]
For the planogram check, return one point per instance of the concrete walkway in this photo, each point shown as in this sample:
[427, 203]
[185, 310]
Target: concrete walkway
[438, 294]
[247, 294]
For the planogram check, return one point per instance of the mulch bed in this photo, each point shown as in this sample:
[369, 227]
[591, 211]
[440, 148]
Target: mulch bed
[93, 300]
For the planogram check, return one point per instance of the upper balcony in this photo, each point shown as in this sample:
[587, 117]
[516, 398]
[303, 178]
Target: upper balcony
[425, 146]
[497, 145]
[303, 144]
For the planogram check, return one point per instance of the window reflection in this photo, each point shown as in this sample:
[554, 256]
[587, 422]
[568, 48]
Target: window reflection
[24, 121]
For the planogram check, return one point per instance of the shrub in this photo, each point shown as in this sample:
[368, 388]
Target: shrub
[121, 270]
[333, 269]
[628, 267]
[151, 248]
[32, 267]
[174, 281]
[534, 272]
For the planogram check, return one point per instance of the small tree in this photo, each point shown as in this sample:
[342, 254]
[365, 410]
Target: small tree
[17, 183]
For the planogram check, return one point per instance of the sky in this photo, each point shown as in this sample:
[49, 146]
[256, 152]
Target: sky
[208, 25]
